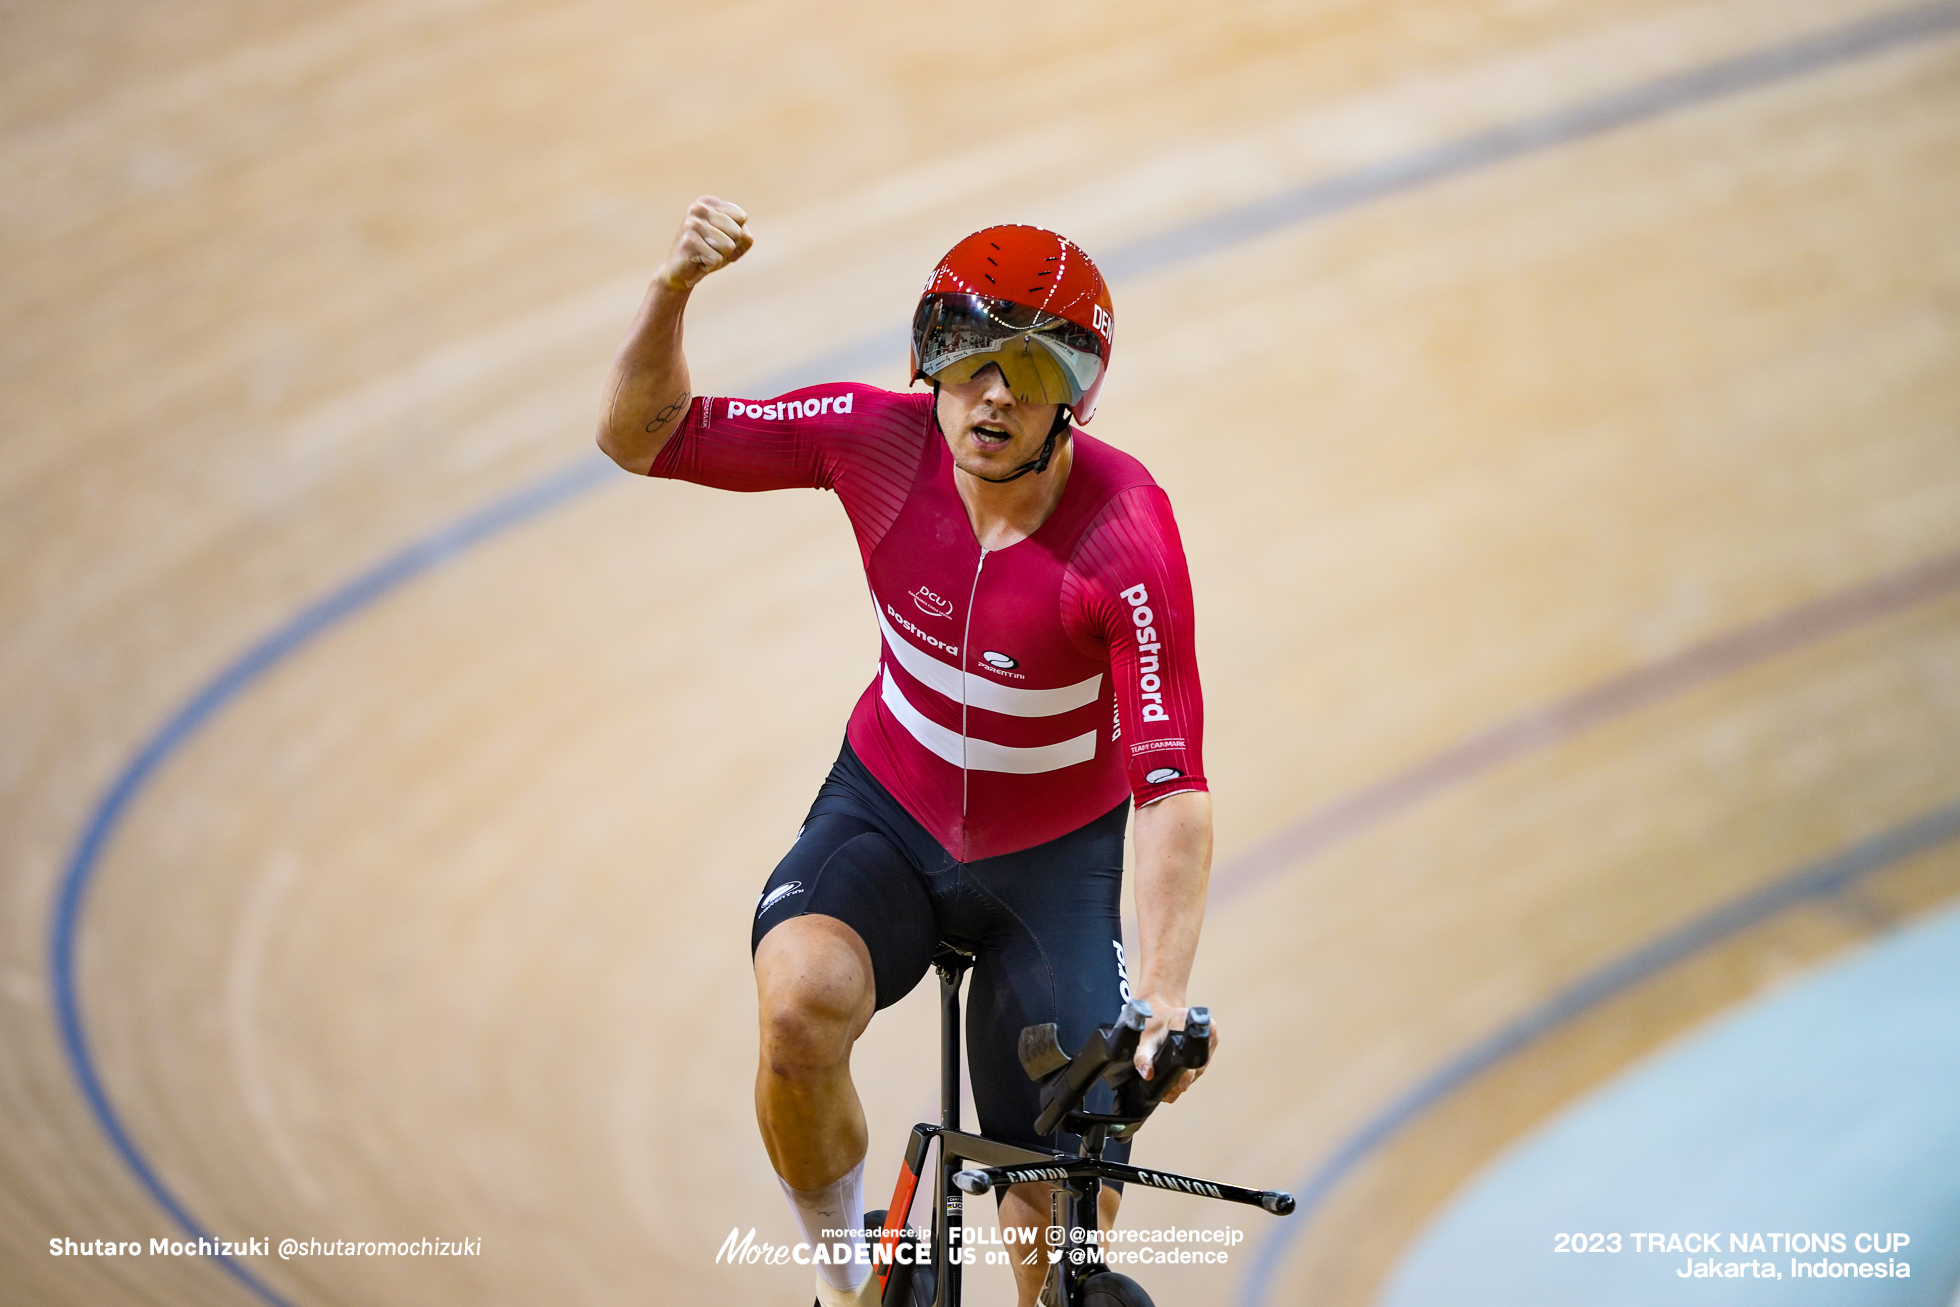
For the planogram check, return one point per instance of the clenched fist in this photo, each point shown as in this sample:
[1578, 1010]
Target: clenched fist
[714, 235]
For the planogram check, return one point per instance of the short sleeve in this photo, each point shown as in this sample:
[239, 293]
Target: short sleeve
[1128, 588]
[859, 441]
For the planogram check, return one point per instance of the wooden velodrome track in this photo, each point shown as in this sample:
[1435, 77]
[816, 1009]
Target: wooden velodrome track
[1573, 509]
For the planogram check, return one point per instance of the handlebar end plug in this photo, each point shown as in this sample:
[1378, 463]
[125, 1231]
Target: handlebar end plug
[1277, 1203]
[979, 1182]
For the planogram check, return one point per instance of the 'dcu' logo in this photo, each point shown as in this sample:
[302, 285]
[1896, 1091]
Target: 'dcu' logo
[931, 604]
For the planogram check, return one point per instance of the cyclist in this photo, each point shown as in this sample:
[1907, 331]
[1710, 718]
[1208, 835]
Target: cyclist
[1037, 676]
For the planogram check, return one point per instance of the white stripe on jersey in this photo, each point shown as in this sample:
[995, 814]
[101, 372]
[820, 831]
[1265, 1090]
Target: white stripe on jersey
[984, 755]
[982, 693]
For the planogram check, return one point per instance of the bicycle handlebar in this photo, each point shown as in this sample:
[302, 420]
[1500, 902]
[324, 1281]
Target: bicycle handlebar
[1109, 1054]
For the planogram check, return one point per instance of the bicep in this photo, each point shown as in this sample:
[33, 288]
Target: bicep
[747, 445]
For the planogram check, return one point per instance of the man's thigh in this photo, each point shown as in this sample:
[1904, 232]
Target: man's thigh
[1053, 952]
[844, 867]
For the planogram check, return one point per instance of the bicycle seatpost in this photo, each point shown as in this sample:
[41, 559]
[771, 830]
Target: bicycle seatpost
[951, 964]
[948, 1217]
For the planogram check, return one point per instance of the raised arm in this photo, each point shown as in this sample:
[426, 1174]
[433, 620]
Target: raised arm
[647, 390]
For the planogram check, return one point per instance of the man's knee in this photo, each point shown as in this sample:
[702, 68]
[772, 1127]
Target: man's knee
[815, 993]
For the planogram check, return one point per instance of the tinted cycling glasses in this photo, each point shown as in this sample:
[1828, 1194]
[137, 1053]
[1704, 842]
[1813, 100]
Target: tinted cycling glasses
[1045, 358]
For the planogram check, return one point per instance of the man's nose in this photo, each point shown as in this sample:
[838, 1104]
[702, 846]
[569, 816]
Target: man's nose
[997, 388]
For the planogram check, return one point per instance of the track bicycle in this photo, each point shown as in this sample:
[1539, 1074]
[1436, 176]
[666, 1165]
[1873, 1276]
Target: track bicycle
[971, 1165]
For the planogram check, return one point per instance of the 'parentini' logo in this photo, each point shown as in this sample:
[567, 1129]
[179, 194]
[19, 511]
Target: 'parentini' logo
[777, 895]
[931, 604]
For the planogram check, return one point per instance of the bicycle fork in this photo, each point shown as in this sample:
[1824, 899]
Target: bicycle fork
[1073, 1207]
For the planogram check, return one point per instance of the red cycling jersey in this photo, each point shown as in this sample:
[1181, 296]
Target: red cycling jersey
[1022, 691]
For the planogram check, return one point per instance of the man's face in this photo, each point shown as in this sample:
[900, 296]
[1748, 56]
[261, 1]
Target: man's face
[989, 431]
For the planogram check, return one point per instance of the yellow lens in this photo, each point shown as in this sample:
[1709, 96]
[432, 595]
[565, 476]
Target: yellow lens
[1032, 371]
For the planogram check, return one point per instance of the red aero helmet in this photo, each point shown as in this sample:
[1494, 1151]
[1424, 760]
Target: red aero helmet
[1026, 300]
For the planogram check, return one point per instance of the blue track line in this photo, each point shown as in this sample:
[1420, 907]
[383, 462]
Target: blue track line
[1816, 881]
[1141, 258]
[1746, 72]
[182, 725]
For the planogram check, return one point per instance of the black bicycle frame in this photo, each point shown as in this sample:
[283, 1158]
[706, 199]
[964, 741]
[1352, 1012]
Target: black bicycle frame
[1077, 1179]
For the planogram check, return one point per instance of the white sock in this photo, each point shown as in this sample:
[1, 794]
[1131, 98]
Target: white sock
[839, 1205]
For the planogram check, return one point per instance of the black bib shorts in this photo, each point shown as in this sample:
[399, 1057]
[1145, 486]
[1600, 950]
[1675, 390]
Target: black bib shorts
[1044, 926]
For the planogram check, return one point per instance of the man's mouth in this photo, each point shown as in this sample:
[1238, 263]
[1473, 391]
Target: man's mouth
[989, 434]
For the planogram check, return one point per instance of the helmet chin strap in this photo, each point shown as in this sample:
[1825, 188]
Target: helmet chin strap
[1039, 463]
